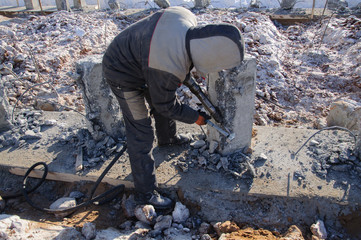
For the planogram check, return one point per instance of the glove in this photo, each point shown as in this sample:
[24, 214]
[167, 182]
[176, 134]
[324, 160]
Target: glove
[202, 118]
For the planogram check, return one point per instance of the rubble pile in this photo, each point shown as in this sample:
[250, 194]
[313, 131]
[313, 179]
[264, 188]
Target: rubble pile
[334, 152]
[205, 155]
[302, 69]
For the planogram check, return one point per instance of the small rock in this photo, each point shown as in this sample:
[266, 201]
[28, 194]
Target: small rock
[89, 230]
[163, 222]
[204, 228]
[180, 213]
[154, 233]
[69, 233]
[50, 122]
[127, 225]
[206, 237]
[228, 227]
[142, 225]
[225, 163]
[216, 227]
[262, 157]
[202, 161]
[63, 203]
[76, 194]
[212, 146]
[145, 213]
[314, 143]
[128, 205]
[30, 134]
[293, 233]
[198, 144]
[318, 229]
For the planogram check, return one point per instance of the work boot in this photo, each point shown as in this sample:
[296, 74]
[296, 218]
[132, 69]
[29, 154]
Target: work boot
[176, 140]
[158, 201]
[153, 198]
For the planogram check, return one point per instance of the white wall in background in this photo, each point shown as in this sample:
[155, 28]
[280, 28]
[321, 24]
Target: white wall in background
[188, 3]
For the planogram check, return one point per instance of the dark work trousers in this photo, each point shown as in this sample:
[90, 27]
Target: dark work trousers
[140, 136]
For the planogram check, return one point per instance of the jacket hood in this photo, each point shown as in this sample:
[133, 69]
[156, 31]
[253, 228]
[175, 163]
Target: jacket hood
[215, 47]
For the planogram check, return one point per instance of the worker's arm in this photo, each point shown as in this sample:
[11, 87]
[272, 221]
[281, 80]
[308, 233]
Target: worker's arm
[162, 89]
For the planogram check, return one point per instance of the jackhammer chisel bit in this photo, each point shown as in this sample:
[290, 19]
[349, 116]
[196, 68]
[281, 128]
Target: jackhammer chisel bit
[229, 136]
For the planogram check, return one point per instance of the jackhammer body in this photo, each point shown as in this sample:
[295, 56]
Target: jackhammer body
[196, 90]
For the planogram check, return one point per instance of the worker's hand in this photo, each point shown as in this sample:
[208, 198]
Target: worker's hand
[202, 118]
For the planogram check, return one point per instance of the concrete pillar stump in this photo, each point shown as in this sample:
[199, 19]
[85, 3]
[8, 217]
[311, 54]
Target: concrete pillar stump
[62, 5]
[103, 114]
[79, 4]
[233, 92]
[31, 4]
[5, 111]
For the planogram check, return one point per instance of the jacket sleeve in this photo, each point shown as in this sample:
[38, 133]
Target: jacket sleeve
[162, 89]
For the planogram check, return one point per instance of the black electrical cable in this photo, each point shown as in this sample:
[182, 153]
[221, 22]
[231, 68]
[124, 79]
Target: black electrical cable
[36, 186]
[96, 200]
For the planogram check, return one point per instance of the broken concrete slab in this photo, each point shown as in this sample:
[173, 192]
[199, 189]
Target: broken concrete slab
[5, 113]
[102, 109]
[62, 5]
[233, 92]
[345, 113]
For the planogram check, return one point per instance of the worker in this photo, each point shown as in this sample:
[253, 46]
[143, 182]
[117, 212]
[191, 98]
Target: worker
[148, 61]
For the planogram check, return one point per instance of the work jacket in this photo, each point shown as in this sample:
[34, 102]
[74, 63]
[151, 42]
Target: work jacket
[159, 51]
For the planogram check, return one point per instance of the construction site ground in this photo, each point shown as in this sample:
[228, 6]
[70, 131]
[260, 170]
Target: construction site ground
[276, 198]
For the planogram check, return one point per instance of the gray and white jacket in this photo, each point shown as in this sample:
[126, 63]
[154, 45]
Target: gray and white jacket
[159, 51]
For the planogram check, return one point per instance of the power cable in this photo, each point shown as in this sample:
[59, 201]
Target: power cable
[96, 200]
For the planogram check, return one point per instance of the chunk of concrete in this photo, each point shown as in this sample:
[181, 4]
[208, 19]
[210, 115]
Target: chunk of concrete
[5, 114]
[233, 92]
[31, 4]
[102, 108]
[62, 5]
[79, 4]
[202, 3]
[345, 113]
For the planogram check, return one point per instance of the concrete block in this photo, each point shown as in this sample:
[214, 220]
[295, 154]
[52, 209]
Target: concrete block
[62, 5]
[102, 108]
[79, 4]
[202, 3]
[345, 113]
[233, 92]
[5, 111]
[32, 4]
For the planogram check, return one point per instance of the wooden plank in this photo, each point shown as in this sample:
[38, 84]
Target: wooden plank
[66, 177]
